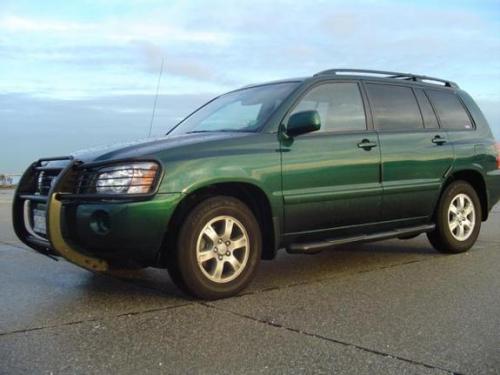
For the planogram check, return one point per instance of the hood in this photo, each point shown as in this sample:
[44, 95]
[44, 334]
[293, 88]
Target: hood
[149, 146]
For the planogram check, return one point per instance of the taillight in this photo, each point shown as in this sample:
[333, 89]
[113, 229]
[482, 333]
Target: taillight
[498, 155]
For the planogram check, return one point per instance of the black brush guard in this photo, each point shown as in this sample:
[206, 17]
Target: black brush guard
[53, 244]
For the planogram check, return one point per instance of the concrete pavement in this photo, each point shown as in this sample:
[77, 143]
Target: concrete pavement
[390, 307]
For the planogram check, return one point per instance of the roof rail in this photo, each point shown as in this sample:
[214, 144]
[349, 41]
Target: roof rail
[395, 75]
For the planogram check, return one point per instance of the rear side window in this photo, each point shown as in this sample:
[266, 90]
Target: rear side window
[430, 121]
[394, 107]
[450, 110]
[339, 105]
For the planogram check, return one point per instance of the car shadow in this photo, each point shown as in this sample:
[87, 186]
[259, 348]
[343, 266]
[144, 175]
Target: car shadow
[287, 269]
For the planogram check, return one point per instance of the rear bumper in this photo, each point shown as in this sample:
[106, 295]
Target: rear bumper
[91, 232]
[493, 186]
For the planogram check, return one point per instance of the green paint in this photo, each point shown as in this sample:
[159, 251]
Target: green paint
[317, 185]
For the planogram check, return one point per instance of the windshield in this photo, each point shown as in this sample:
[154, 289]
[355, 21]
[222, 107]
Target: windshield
[244, 110]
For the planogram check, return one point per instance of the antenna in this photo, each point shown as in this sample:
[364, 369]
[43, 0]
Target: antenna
[156, 97]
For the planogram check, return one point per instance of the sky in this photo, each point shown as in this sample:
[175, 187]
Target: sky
[76, 74]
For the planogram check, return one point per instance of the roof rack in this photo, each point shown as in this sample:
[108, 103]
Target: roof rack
[395, 75]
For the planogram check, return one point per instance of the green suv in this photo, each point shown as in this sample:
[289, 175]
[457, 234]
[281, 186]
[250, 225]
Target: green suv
[301, 164]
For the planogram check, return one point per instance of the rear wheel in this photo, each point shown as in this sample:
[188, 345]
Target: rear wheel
[458, 219]
[218, 249]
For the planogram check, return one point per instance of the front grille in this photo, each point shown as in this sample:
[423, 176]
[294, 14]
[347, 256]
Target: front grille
[44, 180]
[31, 201]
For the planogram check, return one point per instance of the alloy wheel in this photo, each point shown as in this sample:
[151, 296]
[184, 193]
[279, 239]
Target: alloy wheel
[461, 217]
[222, 249]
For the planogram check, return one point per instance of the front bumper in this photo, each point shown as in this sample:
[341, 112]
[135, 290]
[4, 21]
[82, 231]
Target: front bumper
[91, 231]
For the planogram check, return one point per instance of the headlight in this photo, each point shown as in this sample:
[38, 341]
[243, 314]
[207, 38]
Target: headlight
[134, 178]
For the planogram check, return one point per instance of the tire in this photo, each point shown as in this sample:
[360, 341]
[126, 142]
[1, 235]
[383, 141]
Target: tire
[218, 249]
[457, 232]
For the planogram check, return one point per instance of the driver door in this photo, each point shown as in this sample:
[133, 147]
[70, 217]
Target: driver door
[331, 177]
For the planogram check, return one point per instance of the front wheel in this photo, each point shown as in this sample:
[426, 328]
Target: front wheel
[218, 249]
[458, 219]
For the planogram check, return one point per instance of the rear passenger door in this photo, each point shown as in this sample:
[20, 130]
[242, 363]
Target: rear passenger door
[415, 151]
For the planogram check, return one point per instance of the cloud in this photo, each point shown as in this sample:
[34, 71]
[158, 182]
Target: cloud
[106, 57]
[153, 56]
[117, 30]
[43, 126]
[14, 24]
[448, 41]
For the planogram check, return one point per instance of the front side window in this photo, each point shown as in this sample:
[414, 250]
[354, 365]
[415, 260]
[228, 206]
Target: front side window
[394, 107]
[339, 105]
[244, 110]
[449, 109]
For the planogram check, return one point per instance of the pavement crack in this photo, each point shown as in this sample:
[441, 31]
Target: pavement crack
[329, 339]
[96, 319]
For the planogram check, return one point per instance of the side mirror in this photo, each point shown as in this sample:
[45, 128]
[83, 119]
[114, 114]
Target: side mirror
[303, 122]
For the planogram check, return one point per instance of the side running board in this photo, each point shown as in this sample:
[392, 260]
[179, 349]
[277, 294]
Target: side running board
[316, 247]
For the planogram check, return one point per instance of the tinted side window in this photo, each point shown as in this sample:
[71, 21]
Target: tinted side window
[339, 105]
[430, 121]
[450, 110]
[394, 107]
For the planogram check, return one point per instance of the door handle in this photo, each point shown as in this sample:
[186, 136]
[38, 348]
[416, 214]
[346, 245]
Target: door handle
[367, 145]
[438, 140]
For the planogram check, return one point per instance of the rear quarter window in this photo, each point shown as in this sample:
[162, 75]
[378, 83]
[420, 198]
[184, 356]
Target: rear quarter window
[430, 120]
[451, 112]
[394, 107]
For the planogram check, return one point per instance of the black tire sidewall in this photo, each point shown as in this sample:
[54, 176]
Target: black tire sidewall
[442, 239]
[193, 279]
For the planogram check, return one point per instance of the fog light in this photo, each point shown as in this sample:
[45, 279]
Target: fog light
[100, 223]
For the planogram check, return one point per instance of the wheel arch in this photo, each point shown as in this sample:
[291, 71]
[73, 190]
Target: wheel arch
[476, 180]
[250, 194]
